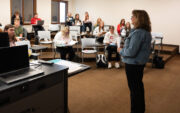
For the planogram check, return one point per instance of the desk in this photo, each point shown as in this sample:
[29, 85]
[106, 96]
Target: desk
[46, 93]
[42, 94]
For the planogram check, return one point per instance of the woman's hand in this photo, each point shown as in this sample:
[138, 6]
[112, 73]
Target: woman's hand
[119, 49]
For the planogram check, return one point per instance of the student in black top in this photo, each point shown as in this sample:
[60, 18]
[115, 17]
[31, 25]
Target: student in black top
[87, 23]
[16, 16]
[69, 20]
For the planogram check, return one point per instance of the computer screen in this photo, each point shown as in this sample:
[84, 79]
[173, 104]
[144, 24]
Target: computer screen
[4, 39]
[13, 58]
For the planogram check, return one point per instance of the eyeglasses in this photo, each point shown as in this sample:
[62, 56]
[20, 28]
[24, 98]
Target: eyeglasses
[11, 30]
[132, 16]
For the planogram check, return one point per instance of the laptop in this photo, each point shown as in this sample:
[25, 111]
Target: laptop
[40, 22]
[4, 39]
[14, 64]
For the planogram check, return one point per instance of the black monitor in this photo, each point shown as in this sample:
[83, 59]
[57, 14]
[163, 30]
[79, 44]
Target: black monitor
[13, 58]
[4, 39]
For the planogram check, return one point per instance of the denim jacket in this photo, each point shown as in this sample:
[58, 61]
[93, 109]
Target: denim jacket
[137, 47]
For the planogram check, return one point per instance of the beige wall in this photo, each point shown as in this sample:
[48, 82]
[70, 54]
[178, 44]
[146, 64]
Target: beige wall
[5, 12]
[43, 10]
[163, 13]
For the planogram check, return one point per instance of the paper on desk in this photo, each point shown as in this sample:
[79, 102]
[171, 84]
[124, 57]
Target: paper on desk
[71, 43]
[73, 67]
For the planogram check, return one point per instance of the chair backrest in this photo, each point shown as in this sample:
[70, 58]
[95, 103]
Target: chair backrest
[74, 34]
[88, 43]
[46, 35]
[153, 41]
[25, 32]
[54, 27]
[106, 28]
[75, 28]
[24, 42]
[155, 35]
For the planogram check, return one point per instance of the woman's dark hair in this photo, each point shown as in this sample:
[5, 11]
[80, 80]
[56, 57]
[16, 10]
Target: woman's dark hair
[35, 14]
[122, 21]
[143, 20]
[16, 13]
[7, 27]
[76, 15]
[111, 27]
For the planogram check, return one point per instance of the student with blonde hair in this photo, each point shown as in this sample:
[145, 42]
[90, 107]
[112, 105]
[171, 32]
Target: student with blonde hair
[98, 22]
[63, 38]
[87, 23]
[99, 32]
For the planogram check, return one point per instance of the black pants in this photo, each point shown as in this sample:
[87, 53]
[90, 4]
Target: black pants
[89, 25]
[100, 39]
[66, 50]
[110, 50]
[134, 75]
[38, 28]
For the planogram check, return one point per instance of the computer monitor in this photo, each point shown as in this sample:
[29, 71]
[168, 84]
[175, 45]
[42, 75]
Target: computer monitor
[4, 39]
[40, 22]
[13, 58]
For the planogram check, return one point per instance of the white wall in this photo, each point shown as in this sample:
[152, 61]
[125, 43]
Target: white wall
[163, 13]
[5, 12]
[43, 10]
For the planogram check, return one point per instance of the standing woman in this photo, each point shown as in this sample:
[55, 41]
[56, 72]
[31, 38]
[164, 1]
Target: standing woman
[16, 16]
[135, 54]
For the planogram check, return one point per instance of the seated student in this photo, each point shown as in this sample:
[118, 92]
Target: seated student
[125, 33]
[12, 38]
[17, 28]
[99, 32]
[98, 22]
[128, 28]
[64, 38]
[34, 23]
[111, 39]
[16, 16]
[69, 20]
[77, 20]
[121, 26]
[87, 23]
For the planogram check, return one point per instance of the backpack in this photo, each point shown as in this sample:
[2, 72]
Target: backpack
[158, 62]
[101, 60]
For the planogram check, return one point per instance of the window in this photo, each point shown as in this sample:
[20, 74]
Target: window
[59, 11]
[25, 7]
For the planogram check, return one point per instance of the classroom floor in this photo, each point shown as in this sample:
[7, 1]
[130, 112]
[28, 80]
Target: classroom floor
[106, 90]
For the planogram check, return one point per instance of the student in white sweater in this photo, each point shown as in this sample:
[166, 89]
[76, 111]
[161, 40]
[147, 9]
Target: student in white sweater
[99, 32]
[63, 38]
[112, 40]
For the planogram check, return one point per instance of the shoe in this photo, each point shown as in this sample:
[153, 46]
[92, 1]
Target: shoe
[117, 65]
[109, 65]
